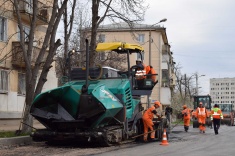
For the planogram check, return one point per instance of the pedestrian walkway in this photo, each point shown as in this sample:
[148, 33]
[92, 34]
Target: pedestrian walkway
[14, 124]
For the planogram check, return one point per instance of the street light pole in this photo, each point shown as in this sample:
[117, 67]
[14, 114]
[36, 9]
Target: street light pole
[150, 57]
[150, 38]
[197, 82]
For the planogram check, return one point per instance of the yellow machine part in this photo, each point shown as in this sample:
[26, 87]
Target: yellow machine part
[118, 46]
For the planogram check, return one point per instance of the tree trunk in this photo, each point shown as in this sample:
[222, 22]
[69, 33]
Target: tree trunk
[95, 18]
[27, 118]
[33, 88]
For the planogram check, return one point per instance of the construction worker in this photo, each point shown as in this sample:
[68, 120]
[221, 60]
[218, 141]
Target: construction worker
[186, 117]
[150, 70]
[148, 120]
[201, 114]
[168, 113]
[140, 70]
[216, 115]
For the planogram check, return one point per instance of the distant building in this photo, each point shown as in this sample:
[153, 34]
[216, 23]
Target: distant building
[222, 90]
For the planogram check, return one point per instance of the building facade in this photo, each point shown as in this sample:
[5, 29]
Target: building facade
[222, 90]
[12, 65]
[156, 53]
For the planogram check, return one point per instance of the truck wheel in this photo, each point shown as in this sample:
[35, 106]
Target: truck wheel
[159, 132]
[230, 123]
[140, 130]
[195, 124]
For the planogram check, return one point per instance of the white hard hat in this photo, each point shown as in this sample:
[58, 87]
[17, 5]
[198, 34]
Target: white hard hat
[139, 60]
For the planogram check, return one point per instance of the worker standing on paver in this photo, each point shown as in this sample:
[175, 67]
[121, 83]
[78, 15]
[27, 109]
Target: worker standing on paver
[148, 120]
[186, 117]
[140, 70]
[216, 115]
[201, 114]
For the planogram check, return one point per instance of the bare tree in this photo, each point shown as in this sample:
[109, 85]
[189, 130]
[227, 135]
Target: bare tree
[116, 10]
[33, 83]
[183, 91]
[62, 56]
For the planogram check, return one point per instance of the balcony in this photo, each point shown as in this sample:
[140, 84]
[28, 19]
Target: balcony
[26, 12]
[17, 55]
[165, 49]
[173, 80]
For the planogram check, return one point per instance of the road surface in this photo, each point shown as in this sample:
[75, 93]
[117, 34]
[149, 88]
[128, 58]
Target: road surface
[181, 143]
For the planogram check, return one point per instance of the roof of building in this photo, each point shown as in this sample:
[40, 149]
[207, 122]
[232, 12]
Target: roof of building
[123, 26]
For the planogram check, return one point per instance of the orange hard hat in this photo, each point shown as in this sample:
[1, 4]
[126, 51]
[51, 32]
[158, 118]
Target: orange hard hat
[157, 103]
[184, 106]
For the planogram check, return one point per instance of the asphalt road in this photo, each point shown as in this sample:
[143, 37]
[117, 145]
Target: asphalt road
[181, 143]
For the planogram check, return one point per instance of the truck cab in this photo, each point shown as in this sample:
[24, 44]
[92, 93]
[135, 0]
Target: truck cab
[228, 113]
[206, 101]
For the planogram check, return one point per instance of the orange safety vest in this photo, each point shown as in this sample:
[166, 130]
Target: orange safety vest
[216, 114]
[140, 74]
[201, 112]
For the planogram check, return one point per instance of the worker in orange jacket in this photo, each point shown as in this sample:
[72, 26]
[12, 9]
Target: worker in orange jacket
[216, 115]
[186, 116]
[201, 114]
[150, 70]
[148, 120]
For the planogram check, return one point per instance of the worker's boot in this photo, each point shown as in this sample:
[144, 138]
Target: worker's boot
[186, 128]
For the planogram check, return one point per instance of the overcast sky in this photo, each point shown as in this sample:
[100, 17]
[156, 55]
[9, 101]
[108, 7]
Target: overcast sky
[201, 34]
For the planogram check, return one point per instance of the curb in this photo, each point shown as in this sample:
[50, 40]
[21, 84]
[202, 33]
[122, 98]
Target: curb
[22, 140]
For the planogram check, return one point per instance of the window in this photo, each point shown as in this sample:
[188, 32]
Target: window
[165, 78]
[26, 31]
[3, 30]
[3, 81]
[101, 39]
[27, 6]
[141, 38]
[21, 84]
[140, 55]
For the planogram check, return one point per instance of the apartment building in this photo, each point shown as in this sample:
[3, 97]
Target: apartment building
[222, 90]
[12, 65]
[156, 53]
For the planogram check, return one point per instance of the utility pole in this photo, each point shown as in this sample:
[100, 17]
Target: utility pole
[196, 84]
[185, 88]
[150, 38]
[150, 53]
[150, 42]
